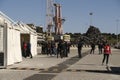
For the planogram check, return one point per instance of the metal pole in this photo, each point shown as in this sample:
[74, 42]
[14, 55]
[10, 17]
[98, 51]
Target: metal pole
[91, 18]
[117, 30]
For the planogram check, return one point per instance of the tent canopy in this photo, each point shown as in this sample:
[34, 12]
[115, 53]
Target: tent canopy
[14, 30]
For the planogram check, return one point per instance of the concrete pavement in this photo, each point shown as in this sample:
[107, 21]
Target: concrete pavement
[90, 68]
[44, 61]
[43, 67]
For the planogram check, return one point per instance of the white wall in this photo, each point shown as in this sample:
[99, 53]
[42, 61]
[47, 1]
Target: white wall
[13, 47]
[10, 53]
[33, 41]
[17, 46]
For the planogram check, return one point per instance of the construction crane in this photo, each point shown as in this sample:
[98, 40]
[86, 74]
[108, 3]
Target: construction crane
[53, 19]
[49, 16]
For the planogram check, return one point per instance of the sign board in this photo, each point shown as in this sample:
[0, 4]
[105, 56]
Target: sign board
[66, 37]
[50, 38]
[58, 37]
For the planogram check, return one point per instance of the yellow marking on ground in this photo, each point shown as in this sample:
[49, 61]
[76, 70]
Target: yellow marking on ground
[18, 68]
[36, 69]
[27, 69]
[64, 70]
[73, 70]
[55, 69]
[45, 69]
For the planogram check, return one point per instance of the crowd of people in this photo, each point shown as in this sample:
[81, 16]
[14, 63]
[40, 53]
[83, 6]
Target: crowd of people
[60, 48]
[103, 48]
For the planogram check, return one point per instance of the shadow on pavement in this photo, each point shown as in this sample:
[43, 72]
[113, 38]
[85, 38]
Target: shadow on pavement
[40, 77]
[48, 74]
[115, 70]
[110, 70]
[65, 64]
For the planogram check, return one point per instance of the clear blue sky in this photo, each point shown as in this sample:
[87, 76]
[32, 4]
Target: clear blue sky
[76, 13]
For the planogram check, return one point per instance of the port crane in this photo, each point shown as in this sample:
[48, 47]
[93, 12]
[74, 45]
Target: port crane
[54, 20]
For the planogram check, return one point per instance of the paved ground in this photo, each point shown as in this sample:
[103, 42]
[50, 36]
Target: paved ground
[90, 68]
[43, 67]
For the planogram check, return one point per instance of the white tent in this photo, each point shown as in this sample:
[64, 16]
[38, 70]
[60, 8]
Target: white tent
[25, 29]
[13, 39]
[13, 53]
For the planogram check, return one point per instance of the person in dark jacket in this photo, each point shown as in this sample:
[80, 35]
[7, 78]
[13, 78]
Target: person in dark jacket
[29, 50]
[60, 49]
[80, 45]
[92, 48]
[100, 46]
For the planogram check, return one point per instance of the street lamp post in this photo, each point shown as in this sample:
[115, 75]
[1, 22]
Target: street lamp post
[91, 18]
[117, 21]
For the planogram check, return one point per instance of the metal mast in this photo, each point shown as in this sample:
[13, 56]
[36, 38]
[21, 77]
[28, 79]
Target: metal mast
[49, 17]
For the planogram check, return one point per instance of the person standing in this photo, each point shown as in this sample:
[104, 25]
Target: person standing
[80, 45]
[29, 49]
[66, 49]
[25, 49]
[107, 52]
[59, 49]
[49, 52]
[92, 48]
[63, 49]
[69, 44]
[100, 46]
